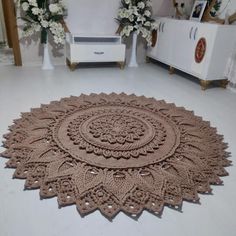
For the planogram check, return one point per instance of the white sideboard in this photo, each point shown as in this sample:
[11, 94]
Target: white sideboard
[81, 48]
[200, 49]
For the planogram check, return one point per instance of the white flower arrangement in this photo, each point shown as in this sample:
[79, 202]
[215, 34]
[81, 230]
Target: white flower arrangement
[44, 16]
[136, 16]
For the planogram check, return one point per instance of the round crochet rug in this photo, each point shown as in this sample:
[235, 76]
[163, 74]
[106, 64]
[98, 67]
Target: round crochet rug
[115, 153]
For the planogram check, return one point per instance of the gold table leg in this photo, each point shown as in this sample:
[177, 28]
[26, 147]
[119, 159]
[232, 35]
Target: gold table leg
[72, 66]
[121, 64]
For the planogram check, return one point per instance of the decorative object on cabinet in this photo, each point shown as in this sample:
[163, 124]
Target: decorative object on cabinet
[196, 48]
[81, 48]
[198, 10]
[134, 18]
[212, 11]
[216, 7]
[44, 16]
[179, 10]
[116, 153]
[209, 16]
[232, 18]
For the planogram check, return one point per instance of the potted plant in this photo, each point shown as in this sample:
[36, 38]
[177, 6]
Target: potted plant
[135, 17]
[46, 17]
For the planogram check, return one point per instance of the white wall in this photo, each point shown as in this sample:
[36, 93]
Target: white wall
[90, 17]
[97, 17]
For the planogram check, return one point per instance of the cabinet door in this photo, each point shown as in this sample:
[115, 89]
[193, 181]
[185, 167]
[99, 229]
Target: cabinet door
[165, 42]
[206, 34]
[163, 48]
[191, 37]
[183, 49]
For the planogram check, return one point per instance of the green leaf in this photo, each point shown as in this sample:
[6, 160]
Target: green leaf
[26, 19]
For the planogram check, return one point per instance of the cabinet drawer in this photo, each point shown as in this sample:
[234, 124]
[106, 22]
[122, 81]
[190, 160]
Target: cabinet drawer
[97, 53]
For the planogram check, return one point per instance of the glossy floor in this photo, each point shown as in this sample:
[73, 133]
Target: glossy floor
[23, 213]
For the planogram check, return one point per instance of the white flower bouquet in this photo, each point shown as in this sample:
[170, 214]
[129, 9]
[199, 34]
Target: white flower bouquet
[45, 16]
[136, 16]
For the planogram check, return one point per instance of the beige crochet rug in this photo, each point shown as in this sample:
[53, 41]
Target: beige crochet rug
[116, 153]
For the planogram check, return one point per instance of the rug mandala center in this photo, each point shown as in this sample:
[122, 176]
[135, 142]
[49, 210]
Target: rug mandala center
[132, 136]
[113, 132]
[117, 129]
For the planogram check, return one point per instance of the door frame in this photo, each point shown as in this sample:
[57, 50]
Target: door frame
[9, 13]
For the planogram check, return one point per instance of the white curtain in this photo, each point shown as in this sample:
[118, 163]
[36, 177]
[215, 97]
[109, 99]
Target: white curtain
[229, 7]
[230, 72]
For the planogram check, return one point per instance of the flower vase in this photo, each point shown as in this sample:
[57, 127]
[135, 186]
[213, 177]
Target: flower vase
[47, 64]
[133, 58]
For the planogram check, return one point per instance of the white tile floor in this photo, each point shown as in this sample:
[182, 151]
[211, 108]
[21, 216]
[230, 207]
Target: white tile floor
[22, 213]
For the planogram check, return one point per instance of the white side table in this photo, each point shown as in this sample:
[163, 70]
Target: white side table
[80, 48]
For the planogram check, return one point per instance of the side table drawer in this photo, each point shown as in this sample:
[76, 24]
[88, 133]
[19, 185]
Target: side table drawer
[97, 53]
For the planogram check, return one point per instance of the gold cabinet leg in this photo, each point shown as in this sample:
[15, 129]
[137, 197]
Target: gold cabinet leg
[204, 84]
[171, 70]
[121, 64]
[147, 59]
[72, 66]
[224, 83]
